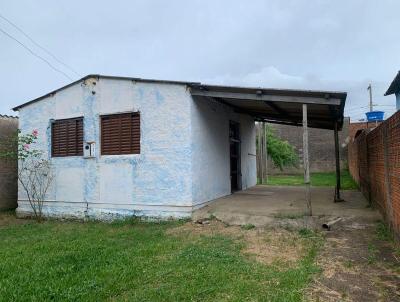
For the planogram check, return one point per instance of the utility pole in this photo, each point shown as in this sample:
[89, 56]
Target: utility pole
[371, 106]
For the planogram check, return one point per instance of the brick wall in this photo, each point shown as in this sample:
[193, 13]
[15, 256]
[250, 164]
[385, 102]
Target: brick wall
[354, 127]
[374, 163]
[8, 167]
[321, 147]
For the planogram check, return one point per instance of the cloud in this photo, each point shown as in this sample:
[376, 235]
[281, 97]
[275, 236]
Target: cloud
[304, 44]
[268, 76]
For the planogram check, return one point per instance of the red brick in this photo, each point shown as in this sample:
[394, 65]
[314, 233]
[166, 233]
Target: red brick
[367, 165]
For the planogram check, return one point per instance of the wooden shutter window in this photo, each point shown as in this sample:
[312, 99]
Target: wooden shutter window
[67, 137]
[120, 134]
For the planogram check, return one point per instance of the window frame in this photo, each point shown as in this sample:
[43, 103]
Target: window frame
[132, 143]
[79, 152]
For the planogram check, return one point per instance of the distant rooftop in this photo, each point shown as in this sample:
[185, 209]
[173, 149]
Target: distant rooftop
[394, 86]
[7, 116]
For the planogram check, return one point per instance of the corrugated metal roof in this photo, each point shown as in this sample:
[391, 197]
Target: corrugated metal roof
[8, 116]
[281, 106]
[394, 86]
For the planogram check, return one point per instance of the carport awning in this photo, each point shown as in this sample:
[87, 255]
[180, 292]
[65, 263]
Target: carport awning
[280, 106]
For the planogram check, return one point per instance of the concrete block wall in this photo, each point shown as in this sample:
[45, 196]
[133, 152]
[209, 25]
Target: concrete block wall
[374, 162]
[8, 167]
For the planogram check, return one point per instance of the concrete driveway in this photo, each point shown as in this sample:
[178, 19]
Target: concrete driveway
[262, 205]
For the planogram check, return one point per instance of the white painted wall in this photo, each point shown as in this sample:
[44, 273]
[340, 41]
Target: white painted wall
[210, 150]
[156, 182]
[184, 158]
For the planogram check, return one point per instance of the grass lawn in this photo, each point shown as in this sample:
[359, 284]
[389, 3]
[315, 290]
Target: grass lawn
[317, 179]
[139, 261]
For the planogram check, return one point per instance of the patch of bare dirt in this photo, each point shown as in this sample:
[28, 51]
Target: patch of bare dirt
[267, 245]
[356, 266]
[9, 218]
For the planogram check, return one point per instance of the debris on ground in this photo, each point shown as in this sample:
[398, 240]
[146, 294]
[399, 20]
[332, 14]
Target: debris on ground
[356, 265]
[328, 225]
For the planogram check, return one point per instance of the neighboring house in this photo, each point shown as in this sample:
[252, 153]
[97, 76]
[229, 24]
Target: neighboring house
[394, 88]
[127, 146]
[356, 128]
[8, 167]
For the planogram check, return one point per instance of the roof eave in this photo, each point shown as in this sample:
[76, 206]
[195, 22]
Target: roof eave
[394, 86]
[51, 93]
[103, 77]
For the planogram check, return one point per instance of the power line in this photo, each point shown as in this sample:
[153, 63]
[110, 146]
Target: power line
[378, 105]
[36, 55]
[355, 109]
[38, 45]
[364, 110]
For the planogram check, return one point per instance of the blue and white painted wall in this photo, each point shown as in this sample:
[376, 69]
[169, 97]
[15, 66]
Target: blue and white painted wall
[184, 159]
[210, 150]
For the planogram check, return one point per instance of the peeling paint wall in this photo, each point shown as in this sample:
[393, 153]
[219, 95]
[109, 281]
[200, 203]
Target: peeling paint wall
[184, 158]
[156, 182]
[210, 150]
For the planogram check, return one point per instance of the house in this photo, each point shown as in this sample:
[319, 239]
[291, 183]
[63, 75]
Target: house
[394, 88]
[356, 128]
[128, 146]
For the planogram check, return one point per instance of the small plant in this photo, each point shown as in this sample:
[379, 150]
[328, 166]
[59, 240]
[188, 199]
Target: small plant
[248, 226]
[212, 217]
[34, 171]
[383, 232]
[372, 252]
[306, 233]
[348, 264]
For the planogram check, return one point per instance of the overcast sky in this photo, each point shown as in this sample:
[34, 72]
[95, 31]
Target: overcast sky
[307, 44]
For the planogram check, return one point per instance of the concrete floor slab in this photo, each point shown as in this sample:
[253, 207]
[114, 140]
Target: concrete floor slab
[262, 205]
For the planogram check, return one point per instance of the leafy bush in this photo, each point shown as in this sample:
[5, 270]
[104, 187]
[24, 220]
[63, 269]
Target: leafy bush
[34, 171]
[281, 152]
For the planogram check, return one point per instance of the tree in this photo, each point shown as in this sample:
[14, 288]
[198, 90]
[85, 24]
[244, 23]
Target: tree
[34, 171]
[281, 153]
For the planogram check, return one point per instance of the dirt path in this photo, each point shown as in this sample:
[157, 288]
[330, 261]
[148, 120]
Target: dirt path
[359, 263]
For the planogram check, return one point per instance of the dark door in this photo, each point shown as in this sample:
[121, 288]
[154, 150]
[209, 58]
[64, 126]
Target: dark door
[234, 143]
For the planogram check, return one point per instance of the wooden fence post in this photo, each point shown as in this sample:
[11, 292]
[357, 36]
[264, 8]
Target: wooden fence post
[265, 162]
[306, 162]
[337, 162]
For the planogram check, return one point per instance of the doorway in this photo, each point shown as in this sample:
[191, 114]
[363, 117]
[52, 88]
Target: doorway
[234, 144]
